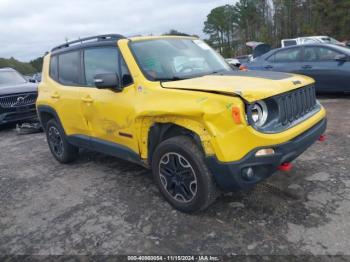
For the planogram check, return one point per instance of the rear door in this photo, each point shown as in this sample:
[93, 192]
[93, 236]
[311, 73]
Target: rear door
[285, 60]
[65, 77]
[319, 62]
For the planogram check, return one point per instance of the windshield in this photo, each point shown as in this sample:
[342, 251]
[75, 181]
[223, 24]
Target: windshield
[11, 78]
[174, 59]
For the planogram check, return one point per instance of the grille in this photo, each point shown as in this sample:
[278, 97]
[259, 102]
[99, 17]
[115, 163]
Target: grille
[296, 104]
[18, 100]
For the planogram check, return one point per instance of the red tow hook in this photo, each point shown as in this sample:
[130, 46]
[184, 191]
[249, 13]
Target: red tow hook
[285, 167]
[322, 138]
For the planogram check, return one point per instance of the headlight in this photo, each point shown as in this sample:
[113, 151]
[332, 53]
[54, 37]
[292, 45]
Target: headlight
[259, 113]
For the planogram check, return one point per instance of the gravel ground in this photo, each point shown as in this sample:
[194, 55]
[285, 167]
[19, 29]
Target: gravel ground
[102, 205]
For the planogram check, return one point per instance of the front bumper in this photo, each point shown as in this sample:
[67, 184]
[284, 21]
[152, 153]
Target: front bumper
[18, 114]
[228, 175]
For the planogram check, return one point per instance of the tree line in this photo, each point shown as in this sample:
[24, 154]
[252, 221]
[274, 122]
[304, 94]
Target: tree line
[34, 66]
[229, 27]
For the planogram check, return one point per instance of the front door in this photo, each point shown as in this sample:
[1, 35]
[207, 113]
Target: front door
[285, 60]
[109, 113]
[330, 75]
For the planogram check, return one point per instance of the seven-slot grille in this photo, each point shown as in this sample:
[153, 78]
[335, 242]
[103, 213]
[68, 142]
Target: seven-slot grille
[295, 104]
[18, 100]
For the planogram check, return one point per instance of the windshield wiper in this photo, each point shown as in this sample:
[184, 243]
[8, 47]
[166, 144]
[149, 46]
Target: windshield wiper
[174, 78]
[218, 72]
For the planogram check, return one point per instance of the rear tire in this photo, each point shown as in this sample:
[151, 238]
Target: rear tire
[182, 176]
[63, 151]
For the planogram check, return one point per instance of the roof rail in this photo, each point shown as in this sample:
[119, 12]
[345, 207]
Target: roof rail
[89, 39]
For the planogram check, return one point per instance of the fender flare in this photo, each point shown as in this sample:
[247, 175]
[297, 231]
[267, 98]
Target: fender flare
[48, 109]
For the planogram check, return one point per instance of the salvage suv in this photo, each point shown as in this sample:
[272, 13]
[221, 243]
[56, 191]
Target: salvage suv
[174, 105]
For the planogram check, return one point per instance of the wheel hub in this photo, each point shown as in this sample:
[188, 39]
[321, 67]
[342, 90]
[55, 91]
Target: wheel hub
[178, 177]
[55, 141]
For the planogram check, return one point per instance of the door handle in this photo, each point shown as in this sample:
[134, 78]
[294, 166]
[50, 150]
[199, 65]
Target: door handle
[268, 67]
[306, 67]
[87, 99]
[55, 95]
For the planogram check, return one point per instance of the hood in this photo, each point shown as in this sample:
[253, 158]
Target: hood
[250, 85]
[21, 88]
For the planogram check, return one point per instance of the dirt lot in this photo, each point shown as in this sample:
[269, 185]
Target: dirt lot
[102, 205]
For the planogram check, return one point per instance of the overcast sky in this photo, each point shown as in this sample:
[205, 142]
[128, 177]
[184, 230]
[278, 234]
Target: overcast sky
[31, 27]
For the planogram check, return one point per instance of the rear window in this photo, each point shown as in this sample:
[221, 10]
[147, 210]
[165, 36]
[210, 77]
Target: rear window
[288, 55]
[54, 68]
[69, 68]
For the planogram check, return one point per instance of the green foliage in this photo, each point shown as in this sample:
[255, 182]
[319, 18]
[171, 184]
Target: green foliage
[37, 63]
[23, 68]
[175, 32]
[230, 26]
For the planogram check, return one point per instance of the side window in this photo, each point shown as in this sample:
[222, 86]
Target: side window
[126, 76]
[271, 58]
[288, 55]
[310, 54]
[98, 61]
[69, 68]
[327, 54]
[53, 72]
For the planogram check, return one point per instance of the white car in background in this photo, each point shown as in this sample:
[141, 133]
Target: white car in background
[310, 40]
[233, 62]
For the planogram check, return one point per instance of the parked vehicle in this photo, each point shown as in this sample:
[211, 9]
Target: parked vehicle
[17, 97]
[310, 40]
[201, 127]
[36, 77]
[258, 48]
[244, 58]
[233, 62]
[239, 60]
[328, 64]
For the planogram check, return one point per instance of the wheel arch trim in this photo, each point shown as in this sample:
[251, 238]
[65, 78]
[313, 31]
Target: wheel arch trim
[43, 109]
[157, 129]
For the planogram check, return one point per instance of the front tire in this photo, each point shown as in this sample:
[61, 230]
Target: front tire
[182, 176]
[63, 151]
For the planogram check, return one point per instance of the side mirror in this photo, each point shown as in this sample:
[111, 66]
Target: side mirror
[341, 58]
[107, 80]
[31, 80]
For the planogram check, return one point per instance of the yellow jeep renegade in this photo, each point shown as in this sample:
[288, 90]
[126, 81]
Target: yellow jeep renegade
[173, 104]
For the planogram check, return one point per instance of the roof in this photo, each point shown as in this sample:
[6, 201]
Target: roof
[333, 46]
[80, 41]
[106, 40]
[143, 38]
